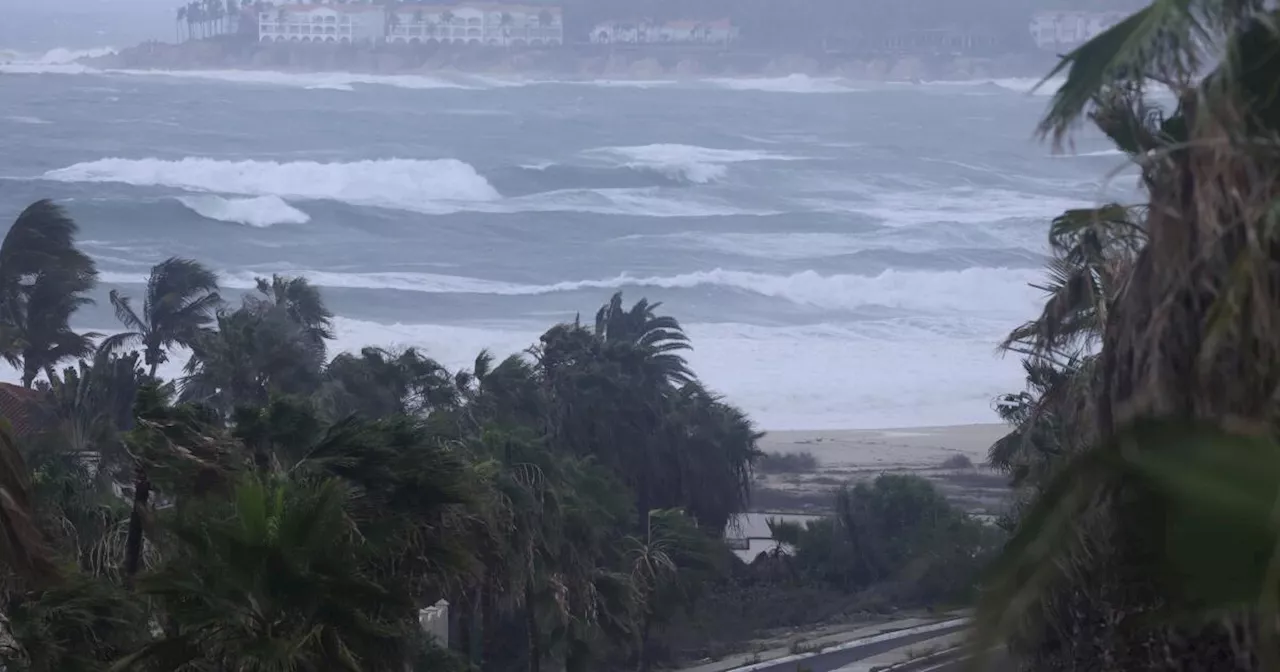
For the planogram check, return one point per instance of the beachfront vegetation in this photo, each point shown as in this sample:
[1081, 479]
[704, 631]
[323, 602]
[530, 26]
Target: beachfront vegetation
[1145, 443]
[276, 507]
[896, 534]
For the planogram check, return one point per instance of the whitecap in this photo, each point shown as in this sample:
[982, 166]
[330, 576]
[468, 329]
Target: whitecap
[690, 162]
[991, 292]
[794, 83]
[437, 186]
[259, 211]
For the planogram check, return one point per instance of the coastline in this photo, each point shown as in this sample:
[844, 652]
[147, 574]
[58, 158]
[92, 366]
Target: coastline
[571, 62]
[859, 455]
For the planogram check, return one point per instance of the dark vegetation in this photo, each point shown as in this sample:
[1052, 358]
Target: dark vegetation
[787, 463]
[1145, 445]
[277, 507]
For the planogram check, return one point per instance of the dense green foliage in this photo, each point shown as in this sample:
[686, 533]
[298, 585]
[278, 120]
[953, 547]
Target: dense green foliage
[896, 534]
[1145, 444]
[274, 509]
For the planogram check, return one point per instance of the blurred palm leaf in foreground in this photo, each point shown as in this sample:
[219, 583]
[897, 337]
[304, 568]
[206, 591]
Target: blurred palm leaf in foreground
[1145, 445]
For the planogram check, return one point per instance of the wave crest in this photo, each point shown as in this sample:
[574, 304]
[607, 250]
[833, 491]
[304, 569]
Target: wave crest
[436, 186]
[699, 165]
[989, 292]
[259, 211]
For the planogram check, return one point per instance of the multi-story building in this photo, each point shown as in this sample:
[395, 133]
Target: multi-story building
[1059, 30]
[488, 24]
[341, 24]
[675, 32]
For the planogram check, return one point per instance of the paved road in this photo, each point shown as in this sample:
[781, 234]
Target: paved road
[834, 660]
[998, 663]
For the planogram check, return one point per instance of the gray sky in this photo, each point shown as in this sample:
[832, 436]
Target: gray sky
[40, 25]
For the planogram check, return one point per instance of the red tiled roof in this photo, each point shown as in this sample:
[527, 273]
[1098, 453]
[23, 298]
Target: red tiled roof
[21, 407]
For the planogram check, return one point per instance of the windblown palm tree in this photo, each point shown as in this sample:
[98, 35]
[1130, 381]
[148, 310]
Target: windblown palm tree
[659, 337]
[180, 304]
[43, 278]
[301, 302]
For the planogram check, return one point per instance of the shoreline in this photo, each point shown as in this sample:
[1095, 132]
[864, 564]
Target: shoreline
[952, 457]
[569, 63]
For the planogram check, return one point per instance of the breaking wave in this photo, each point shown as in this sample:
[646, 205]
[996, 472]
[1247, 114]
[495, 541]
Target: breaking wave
[259, 211]
[437, 186]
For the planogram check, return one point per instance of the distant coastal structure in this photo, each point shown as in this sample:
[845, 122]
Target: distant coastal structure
[476, 24]
[493, 25]
[343, 24]
[1058, 30]
[645, 32]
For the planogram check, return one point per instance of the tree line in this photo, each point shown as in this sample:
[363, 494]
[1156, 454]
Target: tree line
[280, 507]
[1144, 447]
[284, 510]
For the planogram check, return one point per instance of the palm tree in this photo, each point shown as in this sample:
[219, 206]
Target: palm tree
[660, 338]
[1187, 361]
[23, 547]
[42, 280]
[182, 17]
[180, 304]
[301, 302]
[273, 580]
[42, 331]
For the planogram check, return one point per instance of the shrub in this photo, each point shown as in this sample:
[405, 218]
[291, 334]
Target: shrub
[787, 463]
[957, 461]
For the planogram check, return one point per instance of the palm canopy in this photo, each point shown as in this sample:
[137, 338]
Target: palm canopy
[659, 337]
[180, 303]
[43, 278]
[301, 302]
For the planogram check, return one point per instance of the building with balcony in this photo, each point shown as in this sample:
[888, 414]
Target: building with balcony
[1056, 31]
[478, 24]
[719, 32]
[338, 24]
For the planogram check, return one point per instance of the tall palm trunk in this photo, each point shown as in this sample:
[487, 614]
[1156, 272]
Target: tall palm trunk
[133, 542]
[531, 622]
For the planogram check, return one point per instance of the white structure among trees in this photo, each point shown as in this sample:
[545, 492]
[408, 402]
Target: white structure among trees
[720, 31]
[494, 25]
[342, 24]
[1058, 30]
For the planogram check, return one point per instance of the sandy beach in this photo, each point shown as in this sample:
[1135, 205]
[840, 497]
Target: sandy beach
[848, 456]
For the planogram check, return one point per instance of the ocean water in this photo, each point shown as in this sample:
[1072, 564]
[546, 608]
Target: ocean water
[843, 254]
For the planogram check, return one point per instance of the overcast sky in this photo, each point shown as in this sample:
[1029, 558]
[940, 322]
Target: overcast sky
[40, 25]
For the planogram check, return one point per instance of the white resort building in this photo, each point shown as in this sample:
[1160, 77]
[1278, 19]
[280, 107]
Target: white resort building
[494, 25]
[721, 31]
[1063, 30]
[342, 24]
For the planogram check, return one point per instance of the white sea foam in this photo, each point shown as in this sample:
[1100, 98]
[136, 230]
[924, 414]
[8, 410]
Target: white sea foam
[61, 55]
[31, 121]
[801, 245]
[964, 205]
[768, 371]
[258, 211]
[874, 368]
[641, 202]
[63, 62]
[426, 186]
[690, 162]
[991, 292]
[1098, 153]
[794, 83]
